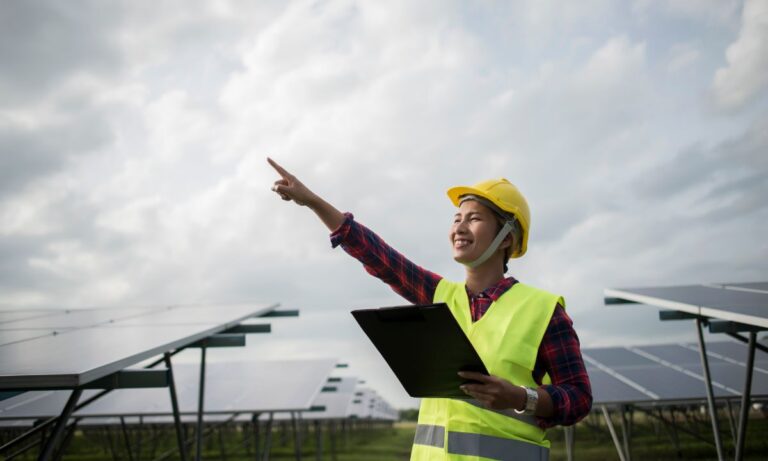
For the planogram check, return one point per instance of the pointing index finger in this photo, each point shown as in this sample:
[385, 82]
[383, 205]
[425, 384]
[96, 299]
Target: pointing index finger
[283, 172]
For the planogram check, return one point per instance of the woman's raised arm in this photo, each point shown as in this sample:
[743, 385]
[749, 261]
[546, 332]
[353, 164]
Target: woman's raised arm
[289, 188]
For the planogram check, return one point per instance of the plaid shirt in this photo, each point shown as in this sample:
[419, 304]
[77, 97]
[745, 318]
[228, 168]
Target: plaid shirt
[559, 352]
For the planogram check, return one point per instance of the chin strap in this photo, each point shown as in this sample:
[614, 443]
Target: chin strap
[505, 230]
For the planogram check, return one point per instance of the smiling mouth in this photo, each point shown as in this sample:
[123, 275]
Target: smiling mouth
[461, 243]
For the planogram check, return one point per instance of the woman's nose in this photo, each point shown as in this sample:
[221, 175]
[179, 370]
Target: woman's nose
[460, 227]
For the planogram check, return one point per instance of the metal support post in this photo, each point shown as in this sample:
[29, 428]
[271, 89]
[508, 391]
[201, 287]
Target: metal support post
[70, 432]
[731, 420]
[710, 394]
[139, 431]
[626, 430]
[61, 424]
[296, 435]
[568, 432]
[332, 438]
[268, 437]
[200, 402]
[221, 444]
[612, 430]
[126, 439]
[745, 398]
[318, 441]
[256, 441]
[180, 436]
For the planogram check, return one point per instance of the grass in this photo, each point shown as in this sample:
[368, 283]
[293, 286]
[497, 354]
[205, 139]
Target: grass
[650, 441]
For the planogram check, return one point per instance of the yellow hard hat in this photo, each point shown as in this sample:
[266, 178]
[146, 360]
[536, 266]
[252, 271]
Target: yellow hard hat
[504, 195]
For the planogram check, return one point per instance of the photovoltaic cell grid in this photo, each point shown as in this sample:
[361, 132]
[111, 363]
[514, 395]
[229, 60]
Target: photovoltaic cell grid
[230, 387]
[40, 349]
[671, 372]
[738, 302]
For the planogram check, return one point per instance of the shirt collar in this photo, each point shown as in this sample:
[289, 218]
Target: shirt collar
[495, 291]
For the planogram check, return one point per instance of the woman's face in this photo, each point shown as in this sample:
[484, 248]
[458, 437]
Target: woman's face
[474, 228]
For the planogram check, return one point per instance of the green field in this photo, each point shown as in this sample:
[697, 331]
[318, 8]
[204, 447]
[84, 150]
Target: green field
[392, 443]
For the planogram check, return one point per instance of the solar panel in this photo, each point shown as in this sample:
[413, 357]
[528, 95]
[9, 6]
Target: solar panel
[758, 286]
[82, 318]
[337, 402]
[254, 386]
[14, 336]
[10, 316]
[716, 301]
[669, 372]
[79, 355]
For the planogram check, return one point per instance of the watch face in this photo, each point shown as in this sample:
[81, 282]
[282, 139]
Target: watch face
[533, 398]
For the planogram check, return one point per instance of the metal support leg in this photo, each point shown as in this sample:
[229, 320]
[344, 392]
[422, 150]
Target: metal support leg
[180, 436]
[111, 443]
[612, 430]
[200, 402]
[61, 424]
[318, 440]
[139, 432]
[710, 394]
[625, 432]
[731, 420]
[268, 437]
[745, 398]
[568, 432]
[256, 441]
[332, 438]
[70, 432]
[126, 439]
[221, 444]
[296, 435]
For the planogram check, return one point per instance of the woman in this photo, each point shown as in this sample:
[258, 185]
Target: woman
[525, 338]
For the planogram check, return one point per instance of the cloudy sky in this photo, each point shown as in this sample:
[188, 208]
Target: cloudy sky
[133, 139]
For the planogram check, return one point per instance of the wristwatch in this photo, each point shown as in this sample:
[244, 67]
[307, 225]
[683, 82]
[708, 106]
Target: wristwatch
[531, 399]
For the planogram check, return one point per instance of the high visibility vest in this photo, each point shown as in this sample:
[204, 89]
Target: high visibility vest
[507, 338]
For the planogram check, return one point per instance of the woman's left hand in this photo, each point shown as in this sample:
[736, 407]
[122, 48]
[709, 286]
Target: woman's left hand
[493, 392]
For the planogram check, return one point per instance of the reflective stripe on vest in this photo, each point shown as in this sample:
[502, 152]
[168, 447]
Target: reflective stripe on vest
[488, 446]
[484, 446]
[434, 436]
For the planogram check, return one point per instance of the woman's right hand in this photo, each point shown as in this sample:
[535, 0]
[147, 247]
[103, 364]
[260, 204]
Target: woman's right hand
[288, 187]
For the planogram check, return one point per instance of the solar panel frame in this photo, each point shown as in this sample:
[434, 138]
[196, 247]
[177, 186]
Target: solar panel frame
[77, 356]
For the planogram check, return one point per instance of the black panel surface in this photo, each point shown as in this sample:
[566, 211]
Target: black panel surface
[424, 346]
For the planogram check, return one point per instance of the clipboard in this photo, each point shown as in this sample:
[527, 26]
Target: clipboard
[424, 346]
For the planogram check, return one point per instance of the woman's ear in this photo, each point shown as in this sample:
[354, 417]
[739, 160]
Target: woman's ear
[508, 241]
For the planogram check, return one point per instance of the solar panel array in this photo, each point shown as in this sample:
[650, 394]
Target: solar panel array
[231, 387]
[48, 348]
[671, 372]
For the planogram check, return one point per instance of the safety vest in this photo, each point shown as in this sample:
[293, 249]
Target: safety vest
[507, 338]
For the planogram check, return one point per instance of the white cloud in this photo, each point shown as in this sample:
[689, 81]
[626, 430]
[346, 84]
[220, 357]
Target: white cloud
[682, 56]
[163, 196]
[746, 75]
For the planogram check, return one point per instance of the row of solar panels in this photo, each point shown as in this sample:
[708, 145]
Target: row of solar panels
[45, 352]
[654, 374]
[243, 388]
[671, 373]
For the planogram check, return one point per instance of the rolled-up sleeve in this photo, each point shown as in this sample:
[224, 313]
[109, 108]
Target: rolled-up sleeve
[407, 279]
[560, 357]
